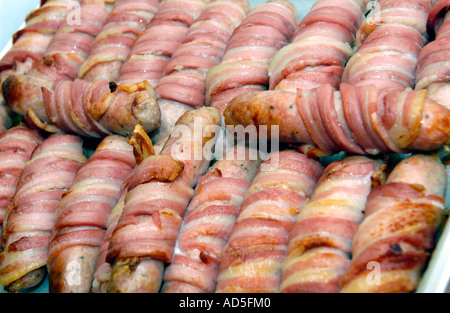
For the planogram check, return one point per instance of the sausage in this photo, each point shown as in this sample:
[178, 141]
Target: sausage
[41, 25]
[391, 246]
[183, 78]
[244, 66]
[154, 47]
[252, 257]
[82, 213]
[360, 120]
[144, 238]
[110, 48]
[388, 52]
[30, 218]
[209, 219]
[320, 242]
[142, 149]
[61, 60]
[96, 109]
[16, 147]
[320, 47]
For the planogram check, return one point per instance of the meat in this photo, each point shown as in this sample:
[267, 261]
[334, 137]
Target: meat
[208, 222]
[96, 109]
[144, 238]
[433, 69]
[320, 47]
[244, 67]
[183, 80]
[142, 149]
[388, 53]
[16, 147]
[154, 47]
[30, 218]
[252, 257]
[109, 50]
[62, 58]
[320, 242]
[41, 25]
[82, 214]
[392, 245]
[30, 43]
[357, 119]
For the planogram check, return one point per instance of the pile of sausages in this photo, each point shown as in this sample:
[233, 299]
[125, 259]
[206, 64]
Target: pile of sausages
[112, 181]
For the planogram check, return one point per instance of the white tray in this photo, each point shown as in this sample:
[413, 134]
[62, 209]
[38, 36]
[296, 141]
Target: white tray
[437, 275]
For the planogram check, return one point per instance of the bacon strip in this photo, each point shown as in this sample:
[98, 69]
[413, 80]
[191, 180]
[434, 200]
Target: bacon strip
[183, 82]
[82, 213]
[144, 238]
[128, 18]
[320, 243]
[244, 66]
[16, 147]
[41, 25]
[154, 47]
[252, 257]
[209, 219]
[30, 218]
[61, 60]
[393, 242]
[320, 47]
[389, 46]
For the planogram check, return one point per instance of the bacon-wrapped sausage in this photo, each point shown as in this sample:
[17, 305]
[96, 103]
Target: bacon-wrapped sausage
[320, 243]
[41, 25]
[31, 42]
[183, 78]
[209, 219]
[244, 67]
[393, 243]
[62, 59]
[142, 148]
[96, 109]
[388, 52]
[16, 147]
[432, 71]
[109, 50]
[159, 192]
[155, 46]
[251, 259]
[183, 82]
[30, 218]
[320, 47]
[361, 120]
[82, 214]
